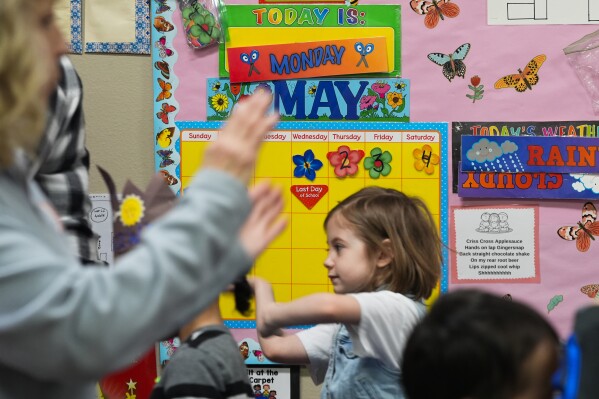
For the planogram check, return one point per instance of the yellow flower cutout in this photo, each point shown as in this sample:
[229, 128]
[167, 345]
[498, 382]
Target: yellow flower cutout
[219, 102]
[132, 210]
[425, 159]
[394, 99]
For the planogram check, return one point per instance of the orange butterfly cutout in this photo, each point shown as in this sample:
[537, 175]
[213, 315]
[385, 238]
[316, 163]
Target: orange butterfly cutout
[166, 109]
[524, 79]
[166, 87]
[435, 10]
[584, 231]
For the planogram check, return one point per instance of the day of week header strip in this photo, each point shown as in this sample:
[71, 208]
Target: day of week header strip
[327, 136]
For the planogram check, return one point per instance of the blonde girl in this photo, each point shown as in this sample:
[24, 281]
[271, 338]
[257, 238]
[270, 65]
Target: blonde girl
[62, 326]
[384, 258]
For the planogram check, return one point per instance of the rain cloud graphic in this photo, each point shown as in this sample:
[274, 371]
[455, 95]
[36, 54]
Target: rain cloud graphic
[488, 156]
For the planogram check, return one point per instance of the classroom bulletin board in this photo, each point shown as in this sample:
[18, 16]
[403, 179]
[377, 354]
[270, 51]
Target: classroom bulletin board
[548, 271]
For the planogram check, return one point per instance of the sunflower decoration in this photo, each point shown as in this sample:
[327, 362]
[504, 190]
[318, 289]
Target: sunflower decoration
[131, 211]
[219, 102]
[136, 210]
[425, 160]
[394, 99]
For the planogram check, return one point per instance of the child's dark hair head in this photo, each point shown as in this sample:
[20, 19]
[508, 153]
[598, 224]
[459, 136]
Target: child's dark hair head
[376, 214]
[478, 345]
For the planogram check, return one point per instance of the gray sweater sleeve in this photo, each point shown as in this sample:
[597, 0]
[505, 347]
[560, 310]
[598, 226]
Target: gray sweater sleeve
[59, 321]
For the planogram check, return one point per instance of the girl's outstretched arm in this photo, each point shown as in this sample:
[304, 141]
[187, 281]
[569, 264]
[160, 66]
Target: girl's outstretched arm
[271, 316]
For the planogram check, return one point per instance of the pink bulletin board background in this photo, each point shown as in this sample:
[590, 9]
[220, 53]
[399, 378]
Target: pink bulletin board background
[495, 51]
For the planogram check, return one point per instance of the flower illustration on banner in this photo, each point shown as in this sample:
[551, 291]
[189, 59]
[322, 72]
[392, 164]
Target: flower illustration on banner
[367, 102]
[378, 163]
[380, 102]
[219, 102]
[345, 160]
[306, 165]
[131, 211]
[425, 159]
[235, 88]
[381, 88]
[264, 86]
[394, 99]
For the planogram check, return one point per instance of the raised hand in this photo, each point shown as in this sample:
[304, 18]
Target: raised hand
[237, 146]
[262, 226]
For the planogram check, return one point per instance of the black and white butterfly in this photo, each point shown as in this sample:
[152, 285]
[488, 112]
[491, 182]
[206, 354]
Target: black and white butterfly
[453, 64]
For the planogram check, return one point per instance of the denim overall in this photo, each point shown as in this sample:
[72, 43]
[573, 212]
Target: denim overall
[349, 376]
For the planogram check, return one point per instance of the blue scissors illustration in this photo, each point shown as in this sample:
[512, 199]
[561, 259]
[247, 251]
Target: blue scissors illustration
[250, 60]
[364, 51]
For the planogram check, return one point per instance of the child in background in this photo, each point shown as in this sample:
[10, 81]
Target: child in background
[208, 363]
[477, 345]
[385, 253]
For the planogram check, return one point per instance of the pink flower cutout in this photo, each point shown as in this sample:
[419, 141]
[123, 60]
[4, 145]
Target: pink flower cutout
[345, 160]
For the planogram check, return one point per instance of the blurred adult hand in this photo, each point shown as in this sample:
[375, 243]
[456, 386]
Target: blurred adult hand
[262, 226]
[236, 149]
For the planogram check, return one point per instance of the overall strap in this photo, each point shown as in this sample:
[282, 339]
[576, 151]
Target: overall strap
[204, 336]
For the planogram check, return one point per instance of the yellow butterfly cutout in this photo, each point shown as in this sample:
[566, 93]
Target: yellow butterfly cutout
[163, 137]
[524, 79]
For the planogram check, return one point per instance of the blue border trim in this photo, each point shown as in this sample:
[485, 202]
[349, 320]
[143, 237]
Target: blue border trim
[75, 45]
[141, 45]
[165, 52]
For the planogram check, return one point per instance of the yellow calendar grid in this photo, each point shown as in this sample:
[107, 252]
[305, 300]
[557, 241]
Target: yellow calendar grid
[294, 261]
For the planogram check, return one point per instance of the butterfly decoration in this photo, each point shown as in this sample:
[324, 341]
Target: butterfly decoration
[524, 79]
[453, 64]
[434, 10]
[170, 346]
[590, 290]
[163, 51]
[584, 231]
[163, 114]
[166, 158]
[168, 178]
[166, 87]
[162, 6]
[259, 354]
[164, 68]
[162, 25]
[164, 137]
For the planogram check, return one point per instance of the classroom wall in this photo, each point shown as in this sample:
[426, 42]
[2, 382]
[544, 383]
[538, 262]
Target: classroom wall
[118, 111]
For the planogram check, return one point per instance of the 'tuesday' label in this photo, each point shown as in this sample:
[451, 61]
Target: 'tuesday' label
[309, 194]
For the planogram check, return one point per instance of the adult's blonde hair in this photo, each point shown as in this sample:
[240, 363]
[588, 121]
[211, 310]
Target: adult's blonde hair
[22, 106]
[376, 214]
